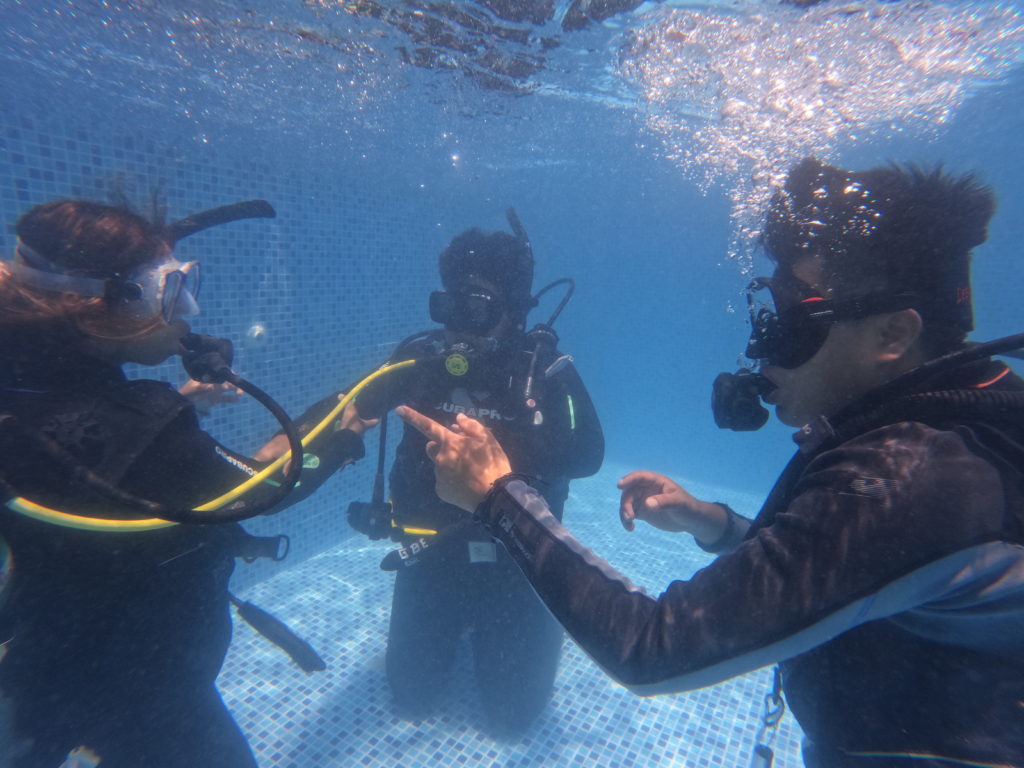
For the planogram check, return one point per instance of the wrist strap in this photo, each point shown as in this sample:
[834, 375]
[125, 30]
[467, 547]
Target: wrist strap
[497, 487]
[727, 534]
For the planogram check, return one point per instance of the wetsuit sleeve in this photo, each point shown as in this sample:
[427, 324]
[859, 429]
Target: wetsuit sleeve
[184, 465]
[869, 534]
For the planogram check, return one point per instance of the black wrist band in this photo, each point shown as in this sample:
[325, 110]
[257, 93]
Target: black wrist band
[727, 534]
[496, 487]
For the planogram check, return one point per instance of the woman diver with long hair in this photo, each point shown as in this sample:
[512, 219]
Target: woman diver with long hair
[115, 634]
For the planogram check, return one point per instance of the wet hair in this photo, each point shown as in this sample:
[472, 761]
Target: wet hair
[888, 230]
[88, 239]
[498, 257]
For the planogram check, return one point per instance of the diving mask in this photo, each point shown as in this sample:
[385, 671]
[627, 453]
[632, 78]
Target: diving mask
[170, 287]
[473, 311]
[790, 320]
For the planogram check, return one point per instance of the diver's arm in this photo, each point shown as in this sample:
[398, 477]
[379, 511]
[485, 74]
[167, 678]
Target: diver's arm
[570, 441]
[778, 595]
[348, 419]
[584, 439]
[371, 404]
[663, 503]
[897, 520]
[186, 466]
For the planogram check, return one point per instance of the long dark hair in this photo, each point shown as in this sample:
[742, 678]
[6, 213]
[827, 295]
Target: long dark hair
[87, 239]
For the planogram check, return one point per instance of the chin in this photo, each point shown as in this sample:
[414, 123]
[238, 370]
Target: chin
[788, 418]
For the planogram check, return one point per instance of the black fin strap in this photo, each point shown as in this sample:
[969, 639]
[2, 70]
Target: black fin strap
[277, 632]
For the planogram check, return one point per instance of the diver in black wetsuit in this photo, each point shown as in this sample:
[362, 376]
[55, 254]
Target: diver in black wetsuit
[482, 363]
[466, 582]
[114, 636]
[885, 572]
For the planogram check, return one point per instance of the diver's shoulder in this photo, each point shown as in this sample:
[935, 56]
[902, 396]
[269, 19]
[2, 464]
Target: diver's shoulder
[960, 455]
[427, 344]
[149, 396]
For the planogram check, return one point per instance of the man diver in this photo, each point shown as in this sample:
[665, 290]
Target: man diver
[115, 626]
[885, 572]
[455, 580]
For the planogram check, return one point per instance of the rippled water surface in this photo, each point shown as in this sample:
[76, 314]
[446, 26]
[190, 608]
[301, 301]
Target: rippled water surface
[731, 93]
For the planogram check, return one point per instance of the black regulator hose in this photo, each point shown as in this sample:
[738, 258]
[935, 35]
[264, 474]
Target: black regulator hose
[543, 333]
[972, 352]
[206, 359]
[565, 299]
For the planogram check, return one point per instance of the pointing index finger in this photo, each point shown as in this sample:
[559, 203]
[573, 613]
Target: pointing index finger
[429, 428]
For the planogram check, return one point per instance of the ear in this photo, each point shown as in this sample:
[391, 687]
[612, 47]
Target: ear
[897, 335]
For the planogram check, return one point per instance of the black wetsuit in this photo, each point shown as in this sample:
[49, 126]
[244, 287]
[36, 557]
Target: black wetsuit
[116, 639]
[885, 572]
[464, 582]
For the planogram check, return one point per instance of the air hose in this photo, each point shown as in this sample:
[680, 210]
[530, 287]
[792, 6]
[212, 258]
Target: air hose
[212, 511]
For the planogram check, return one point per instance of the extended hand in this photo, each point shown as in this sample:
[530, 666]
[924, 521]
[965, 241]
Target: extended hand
[350, 419]
[665, 504]
[467, 459]
[204, 396]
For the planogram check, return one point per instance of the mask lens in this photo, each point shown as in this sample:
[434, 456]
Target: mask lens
[180, 289]
[788, 323]
[193, 278]
[465, 312]
[442, 307]
[173, 282]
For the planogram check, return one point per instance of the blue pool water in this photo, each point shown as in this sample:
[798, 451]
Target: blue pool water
[635, 151]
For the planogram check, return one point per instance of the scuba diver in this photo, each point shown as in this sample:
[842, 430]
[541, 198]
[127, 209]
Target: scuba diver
[451, 578]
[115, 611]
[885, 572]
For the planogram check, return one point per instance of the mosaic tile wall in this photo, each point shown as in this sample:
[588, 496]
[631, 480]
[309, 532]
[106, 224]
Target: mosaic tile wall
[354, 260]
[339, 601]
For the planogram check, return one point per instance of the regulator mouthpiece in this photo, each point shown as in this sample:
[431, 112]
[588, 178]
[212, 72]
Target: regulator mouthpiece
[207, 358]
[736, 400]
